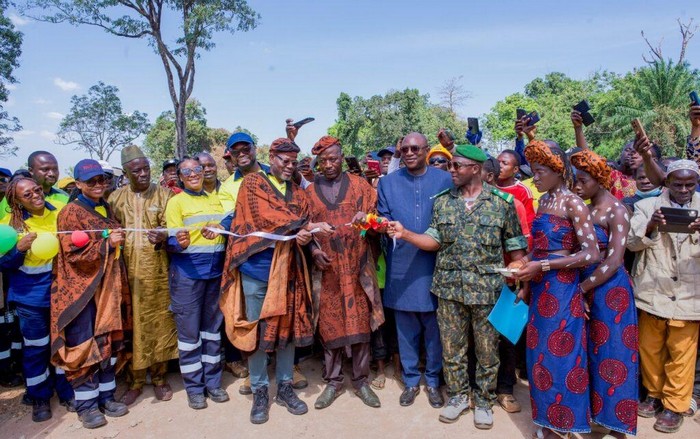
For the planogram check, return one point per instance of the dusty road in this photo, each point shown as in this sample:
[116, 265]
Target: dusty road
[346, 418]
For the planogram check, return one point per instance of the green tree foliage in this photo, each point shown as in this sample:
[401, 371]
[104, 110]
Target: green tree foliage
[366, 124]
[199, 21]
[97, 124]
[10, 50]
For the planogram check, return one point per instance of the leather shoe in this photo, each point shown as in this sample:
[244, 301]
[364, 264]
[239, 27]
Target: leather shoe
[326, 398]
[41, 411]
[130, 396]
[196, 401]
[92, 418]
[649, 407]
[408, 396]
[435, 397]
[114, 409]
[509, 403]
[163, 392]
[368, 396]
[668, 421]
[217, 395]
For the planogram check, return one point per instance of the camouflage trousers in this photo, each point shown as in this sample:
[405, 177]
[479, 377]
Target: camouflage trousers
[454, 319]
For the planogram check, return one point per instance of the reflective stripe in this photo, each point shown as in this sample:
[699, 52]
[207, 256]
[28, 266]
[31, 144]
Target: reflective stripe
[215, 336]
[211, 359]
[36, 342]
[86, 395]
[189, 368]
[112, 361]
[5, 354]
[35, 269]
[33, 381]
[184, 346]
[205, 248]
[106, 387]
[60, 371]
[17, 345]
[194, 219]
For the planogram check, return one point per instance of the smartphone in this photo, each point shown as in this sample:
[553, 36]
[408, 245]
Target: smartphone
[473, 125]
[302, 122]
[638, 128]
[353, 164]
[374, 165]
[694, 98]
[520, 113]
[677, 220]
[583, 108]
[534, 118]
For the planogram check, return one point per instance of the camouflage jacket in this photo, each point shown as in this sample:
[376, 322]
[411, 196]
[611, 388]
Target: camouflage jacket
[472, 243]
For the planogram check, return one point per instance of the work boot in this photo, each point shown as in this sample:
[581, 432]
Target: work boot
[196, 401]
[649, 407]
[456, 406]
[287, 398]
[114, 409]
[326, 398]
[217, 395]
[245, 387]
[260, 412]
[368, 396]
[92, 418]
[298, 379]
[41, 410]
[483, 418]
[237, 369]
[509, 403]
[668, 421]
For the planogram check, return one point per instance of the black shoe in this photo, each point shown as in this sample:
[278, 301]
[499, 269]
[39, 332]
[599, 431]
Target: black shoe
[408, 396]
[114, 409]
[287, 398]
[92, 418]
[435, 397]
[260, 412]
[41, 411]
[69, 404]
[10, 379]
[218, 395]
[196, 401]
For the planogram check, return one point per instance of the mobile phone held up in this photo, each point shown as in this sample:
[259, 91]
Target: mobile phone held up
[303, 122]
[534, 118]
[694, 98]
[353, 165]
[638, 128]
[473, 125]
[583, 108]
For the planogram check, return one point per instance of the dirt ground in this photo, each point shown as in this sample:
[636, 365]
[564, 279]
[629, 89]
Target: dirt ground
[346, 418]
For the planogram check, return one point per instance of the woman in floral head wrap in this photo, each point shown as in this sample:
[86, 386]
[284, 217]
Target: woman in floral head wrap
[612, 346]
[563, 241]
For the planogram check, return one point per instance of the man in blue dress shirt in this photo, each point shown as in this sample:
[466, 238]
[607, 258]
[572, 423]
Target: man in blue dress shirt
[407, 196]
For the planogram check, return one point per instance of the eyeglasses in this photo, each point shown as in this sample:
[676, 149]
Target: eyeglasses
[413, 148]
[242, 150]
[437, 160]
[28, 195]
[100, 179]
[457, 166]
[286, 162]
[186, 172]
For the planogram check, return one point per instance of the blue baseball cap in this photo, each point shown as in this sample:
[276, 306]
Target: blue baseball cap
[388, 150]
[87, 169]
[238, 138]
[5, 171]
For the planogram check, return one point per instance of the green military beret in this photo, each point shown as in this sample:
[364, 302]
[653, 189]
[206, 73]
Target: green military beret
[470, 152]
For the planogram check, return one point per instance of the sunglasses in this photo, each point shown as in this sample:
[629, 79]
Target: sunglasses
[242, 150]
[457, 166]
[413, 148]
[28, 195]
[437, 160]
[286, 162]
[186, 172]
[100, 179]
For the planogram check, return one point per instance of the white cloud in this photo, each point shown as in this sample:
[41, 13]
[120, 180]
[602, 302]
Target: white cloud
[17, 20]
[46, 134]
[54, 115]
[65, 85]
[41, 101]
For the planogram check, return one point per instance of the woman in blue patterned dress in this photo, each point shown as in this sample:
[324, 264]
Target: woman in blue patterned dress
[563, 241]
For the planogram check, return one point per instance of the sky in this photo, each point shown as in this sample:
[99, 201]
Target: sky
[304, 53]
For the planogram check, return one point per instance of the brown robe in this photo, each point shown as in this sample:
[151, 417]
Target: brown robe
[346, 295]
[286, 312]
[92, 272]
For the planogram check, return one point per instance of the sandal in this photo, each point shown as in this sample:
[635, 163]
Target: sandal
[378, 382]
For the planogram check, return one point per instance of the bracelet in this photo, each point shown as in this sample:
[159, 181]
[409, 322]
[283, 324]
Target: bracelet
[545, 265]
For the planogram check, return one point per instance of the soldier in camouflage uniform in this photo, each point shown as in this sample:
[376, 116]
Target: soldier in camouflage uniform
[472, 224]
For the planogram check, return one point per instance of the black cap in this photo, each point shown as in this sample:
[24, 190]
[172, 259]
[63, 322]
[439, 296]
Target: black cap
[170, 162]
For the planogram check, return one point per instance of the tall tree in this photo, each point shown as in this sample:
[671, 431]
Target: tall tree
[97, 124]
[199, 21]
[10, 50]
[452, 94]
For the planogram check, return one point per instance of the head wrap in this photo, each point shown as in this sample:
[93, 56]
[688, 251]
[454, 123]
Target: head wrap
[283, 144]
[323, 144]
[595, 165]
[439, 149]
[470, 152]
[682, 165]
[131, 152]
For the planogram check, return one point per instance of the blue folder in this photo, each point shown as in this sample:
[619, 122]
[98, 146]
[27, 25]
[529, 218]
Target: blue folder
[509, 318]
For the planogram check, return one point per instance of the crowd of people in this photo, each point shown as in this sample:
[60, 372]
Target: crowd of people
[397, 265]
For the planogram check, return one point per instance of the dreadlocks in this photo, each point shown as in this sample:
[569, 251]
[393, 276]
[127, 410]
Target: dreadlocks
[17, 210]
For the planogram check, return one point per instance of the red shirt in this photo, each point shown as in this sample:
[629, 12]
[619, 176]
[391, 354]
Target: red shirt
[523, 194]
